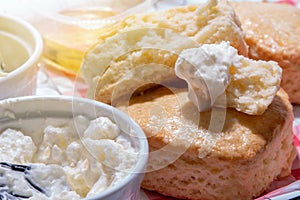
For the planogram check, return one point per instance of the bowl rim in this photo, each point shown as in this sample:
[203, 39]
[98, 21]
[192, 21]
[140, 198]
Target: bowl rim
[140, 166]
[36, 54]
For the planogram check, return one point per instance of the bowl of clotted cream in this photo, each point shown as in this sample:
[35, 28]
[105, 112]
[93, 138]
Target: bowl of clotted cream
[63, 147]
[21, 48]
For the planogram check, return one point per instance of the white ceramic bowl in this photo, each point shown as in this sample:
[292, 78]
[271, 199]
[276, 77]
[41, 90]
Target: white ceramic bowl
[28, 114]
[21, 47]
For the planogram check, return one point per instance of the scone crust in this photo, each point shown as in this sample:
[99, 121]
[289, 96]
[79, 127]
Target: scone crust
[241, 137]
[249, 152]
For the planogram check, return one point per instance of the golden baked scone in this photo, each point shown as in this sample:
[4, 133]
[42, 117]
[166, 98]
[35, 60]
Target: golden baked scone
[219, 154]
[272, 32]
[155, 38]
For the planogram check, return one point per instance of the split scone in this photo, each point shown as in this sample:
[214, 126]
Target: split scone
[155, 39]
[217, 154]
[230, 142]
[217, 122]
[272, 32]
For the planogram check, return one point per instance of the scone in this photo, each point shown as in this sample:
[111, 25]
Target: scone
[219, 154]
[272, 32]
[236, 148]
[246, 142]
[155, 39]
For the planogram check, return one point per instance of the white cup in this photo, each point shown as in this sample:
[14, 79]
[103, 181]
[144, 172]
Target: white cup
[21, 48]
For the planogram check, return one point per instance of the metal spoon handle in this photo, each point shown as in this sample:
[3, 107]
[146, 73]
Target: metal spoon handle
[15, 167]
[25, 169]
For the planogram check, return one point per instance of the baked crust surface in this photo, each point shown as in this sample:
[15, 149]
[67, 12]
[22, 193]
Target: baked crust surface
[237, 160]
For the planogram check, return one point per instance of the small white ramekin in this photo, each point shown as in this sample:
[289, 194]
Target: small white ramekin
[22, 80]
[15, 112]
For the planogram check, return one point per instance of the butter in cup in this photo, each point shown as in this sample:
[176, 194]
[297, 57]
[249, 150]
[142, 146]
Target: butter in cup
[21, 48]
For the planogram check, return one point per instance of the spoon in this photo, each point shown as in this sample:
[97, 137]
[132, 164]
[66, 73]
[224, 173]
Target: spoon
[39, 179]
[5, 192]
